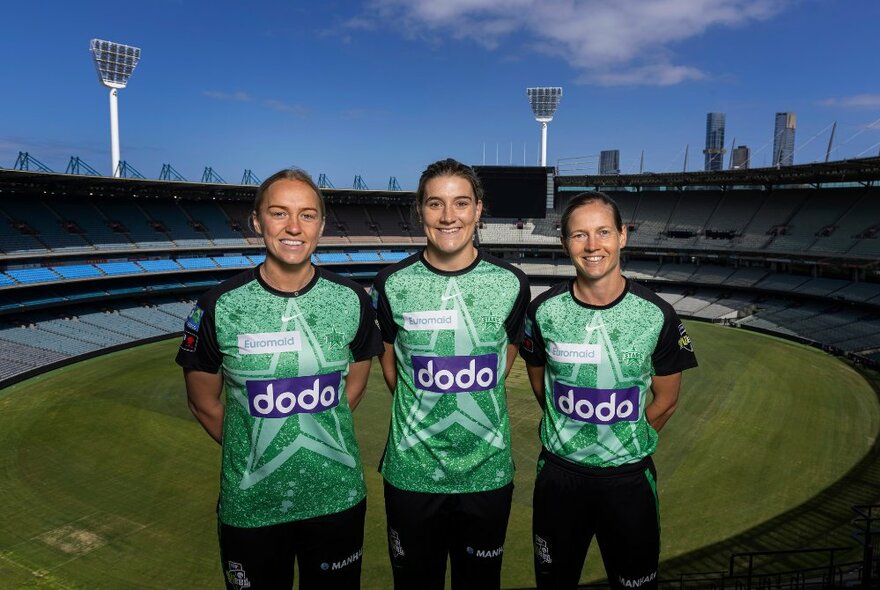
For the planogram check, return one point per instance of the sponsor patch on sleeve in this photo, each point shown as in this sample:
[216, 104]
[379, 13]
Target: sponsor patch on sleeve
[684, 341]
[528, 327]
[528, 344]
[190, 342]
[194, 320]
[374, 297]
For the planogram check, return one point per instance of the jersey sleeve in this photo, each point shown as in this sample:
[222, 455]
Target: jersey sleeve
[515, 321]
[532, 348]
[383, 313]
[199, 349]
[675, 351]
[367, 342]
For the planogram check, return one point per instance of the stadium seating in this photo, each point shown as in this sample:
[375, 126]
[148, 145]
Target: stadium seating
[139, 249]
[77, 271]
[32, 275]
[196, 263]
[119, 268]
[48, 227]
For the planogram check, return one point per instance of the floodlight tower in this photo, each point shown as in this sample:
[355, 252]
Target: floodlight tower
[544, 102]
[115, 63]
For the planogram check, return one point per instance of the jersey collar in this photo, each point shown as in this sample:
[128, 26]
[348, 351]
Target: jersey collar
[609, 305]
[305, 289]
[451, 273]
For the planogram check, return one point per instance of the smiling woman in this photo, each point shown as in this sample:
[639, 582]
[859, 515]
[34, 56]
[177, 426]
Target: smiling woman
[291, 346]
[451, 317]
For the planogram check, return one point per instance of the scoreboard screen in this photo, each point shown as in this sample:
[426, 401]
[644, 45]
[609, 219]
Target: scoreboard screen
[514, 191]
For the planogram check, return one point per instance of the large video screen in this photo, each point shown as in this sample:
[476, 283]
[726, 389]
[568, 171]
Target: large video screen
[514, 191]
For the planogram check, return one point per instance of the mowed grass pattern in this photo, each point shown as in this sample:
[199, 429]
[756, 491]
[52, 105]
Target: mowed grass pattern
[106, 481]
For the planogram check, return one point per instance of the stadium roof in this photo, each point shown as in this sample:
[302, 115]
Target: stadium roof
[18, 181]
[863, 170]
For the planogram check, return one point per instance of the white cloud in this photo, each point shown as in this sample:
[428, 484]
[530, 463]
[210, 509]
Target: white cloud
[652, 75]
[611, 42]
[858, 101]
[285, 107]
[238, 96]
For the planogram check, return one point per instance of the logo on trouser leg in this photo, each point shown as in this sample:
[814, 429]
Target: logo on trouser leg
[636, 582]
[394, 544]
[236, 576]
[485, 553]
[542, 551]
[338, 565]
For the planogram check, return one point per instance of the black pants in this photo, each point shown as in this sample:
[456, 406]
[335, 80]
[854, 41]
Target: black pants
[424, 528]
[329, 550]
[618, 505]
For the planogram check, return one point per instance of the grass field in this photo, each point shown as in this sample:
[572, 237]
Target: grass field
[107, 482]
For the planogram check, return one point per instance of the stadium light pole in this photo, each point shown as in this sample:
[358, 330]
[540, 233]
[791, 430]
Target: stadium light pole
[544, 103]
[115, 63]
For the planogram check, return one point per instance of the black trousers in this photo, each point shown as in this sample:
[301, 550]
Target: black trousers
[425, 528]
[328, 549]
[617, 505]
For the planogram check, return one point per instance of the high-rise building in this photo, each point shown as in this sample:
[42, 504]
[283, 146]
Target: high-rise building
[741, 157]
[783, 139]
[609, 162]
[714, 151]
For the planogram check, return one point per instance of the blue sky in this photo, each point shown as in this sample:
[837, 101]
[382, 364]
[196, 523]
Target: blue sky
[382, 88]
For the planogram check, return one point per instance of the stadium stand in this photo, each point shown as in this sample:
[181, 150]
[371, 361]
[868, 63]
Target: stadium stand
[82, 214]
[685, 242]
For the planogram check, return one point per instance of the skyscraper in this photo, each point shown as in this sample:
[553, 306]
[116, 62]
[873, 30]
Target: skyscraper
[783, 139]
[609, 162]
[741, 156]
[714, 151]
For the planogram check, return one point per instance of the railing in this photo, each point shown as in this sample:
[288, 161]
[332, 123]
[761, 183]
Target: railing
[869, 538]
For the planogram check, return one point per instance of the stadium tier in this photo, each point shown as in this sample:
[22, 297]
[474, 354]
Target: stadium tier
[96, 262]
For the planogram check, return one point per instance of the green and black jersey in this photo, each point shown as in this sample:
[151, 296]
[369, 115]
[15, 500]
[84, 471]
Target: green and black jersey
[289, 450]
[450, 432]
[599, 361]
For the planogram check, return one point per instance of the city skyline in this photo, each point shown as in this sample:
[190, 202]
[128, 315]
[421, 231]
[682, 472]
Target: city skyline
[381, 88]
[715, 148]
[783, 139]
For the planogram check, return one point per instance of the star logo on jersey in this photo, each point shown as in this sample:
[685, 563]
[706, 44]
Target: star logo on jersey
[609, 376]
[452, 409]
[630, 358]
[489, 322]
[334, 339]
[267, 455]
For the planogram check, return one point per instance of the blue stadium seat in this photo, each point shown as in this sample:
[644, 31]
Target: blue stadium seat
[33, 275]
[77, 271]
[393, 256]
[232, 261]
[158, 265]
[333, 258]
[120, 268]
[196, 263]
[365, 257]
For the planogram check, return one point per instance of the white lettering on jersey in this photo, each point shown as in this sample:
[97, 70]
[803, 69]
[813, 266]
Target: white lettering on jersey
[442, 319]
[269, 342]
[575, 353]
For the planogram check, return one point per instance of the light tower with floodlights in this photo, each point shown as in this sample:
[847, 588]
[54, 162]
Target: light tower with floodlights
[115, 63]
[544, 103]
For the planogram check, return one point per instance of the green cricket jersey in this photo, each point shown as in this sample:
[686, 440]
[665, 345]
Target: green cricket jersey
[289, 450]
[598, 363]
[450, 432]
